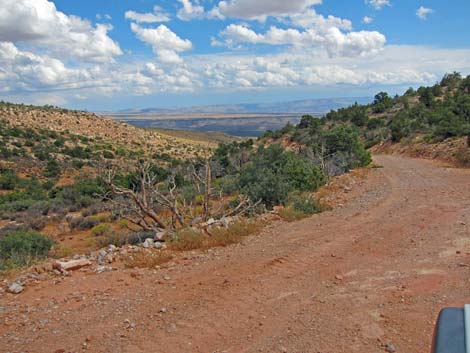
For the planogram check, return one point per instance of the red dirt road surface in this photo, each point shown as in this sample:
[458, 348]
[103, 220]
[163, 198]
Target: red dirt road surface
[370, 276]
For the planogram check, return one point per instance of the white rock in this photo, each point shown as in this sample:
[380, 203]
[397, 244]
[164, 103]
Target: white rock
[160, 235]
[101, 269]
[158, 245]
[148, 243]
[15, 288]
[74, 264]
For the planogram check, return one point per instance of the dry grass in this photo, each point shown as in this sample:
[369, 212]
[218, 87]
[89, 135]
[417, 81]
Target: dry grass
[189, 239]
[147, 259]
[233, 234]
[462, 157]
[61, 251]
[290, 215]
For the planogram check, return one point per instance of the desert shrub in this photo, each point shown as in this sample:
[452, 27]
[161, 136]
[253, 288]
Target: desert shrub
[108, 155]
[87, 212]
[187, 239]
[77, 164]
[290, 215]
[59, 142]
[139, 237]
[74, 221]
[190, 239]
[101, 229]
[35, 222]
[371, 143]
[58, 208]
[22, 248]
[462, 157]
[272, 173]
[115, 239]
[123, 224]
[19, 205]
[233, 234]
[52, 169]
[77, 152]
[61, 252]
[305, 203]
[80, 195]
[88, 223]
[8, 180]
[40, 208]
[374, 123]
[346, 140]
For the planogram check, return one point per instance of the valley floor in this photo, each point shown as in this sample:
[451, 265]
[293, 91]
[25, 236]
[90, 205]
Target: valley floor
[370, 276]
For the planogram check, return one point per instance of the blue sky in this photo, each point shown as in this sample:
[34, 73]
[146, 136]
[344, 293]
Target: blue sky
[117, 54]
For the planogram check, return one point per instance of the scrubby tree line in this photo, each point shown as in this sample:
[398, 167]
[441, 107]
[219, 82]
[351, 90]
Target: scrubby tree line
[438, 112]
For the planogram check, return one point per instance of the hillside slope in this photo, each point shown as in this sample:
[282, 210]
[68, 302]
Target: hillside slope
[89, 125]
[52, 163]
[431, 122]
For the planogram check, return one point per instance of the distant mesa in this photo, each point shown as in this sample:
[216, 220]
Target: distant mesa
[310, 106]
[244, 120]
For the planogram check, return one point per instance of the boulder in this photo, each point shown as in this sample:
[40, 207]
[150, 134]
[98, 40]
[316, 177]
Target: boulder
[73, 265]
[160, 235]
[148, 243]
[15, 288]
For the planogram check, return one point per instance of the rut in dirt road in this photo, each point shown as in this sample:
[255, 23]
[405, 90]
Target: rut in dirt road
[370, 274]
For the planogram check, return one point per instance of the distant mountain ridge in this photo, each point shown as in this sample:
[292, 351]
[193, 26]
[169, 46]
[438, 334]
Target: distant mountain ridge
[312, 106]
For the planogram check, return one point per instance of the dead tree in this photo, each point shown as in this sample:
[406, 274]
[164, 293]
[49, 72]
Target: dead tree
[145, 204]
[155, 205]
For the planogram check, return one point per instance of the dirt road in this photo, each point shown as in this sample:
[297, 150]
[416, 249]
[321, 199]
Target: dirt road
[366, 277]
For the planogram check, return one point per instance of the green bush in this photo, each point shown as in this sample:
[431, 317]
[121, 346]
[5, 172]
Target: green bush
[108, 155]
[88, 223]
[22, 248]
[52, 169]
[273, 172]
[305, 203]
[101, 229]
[345, 149]
[8, 180]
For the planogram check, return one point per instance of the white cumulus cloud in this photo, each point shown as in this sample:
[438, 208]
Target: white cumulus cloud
[38, 22]
[331, 39]
[310, 19]
[158, 15]
[378, 4]
[260, 9]
[165, 43]
[190, 11]
[24, 70]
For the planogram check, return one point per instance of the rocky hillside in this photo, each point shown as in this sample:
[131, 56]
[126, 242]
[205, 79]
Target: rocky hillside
[430, 122]
[92, 127]
[52, 163]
